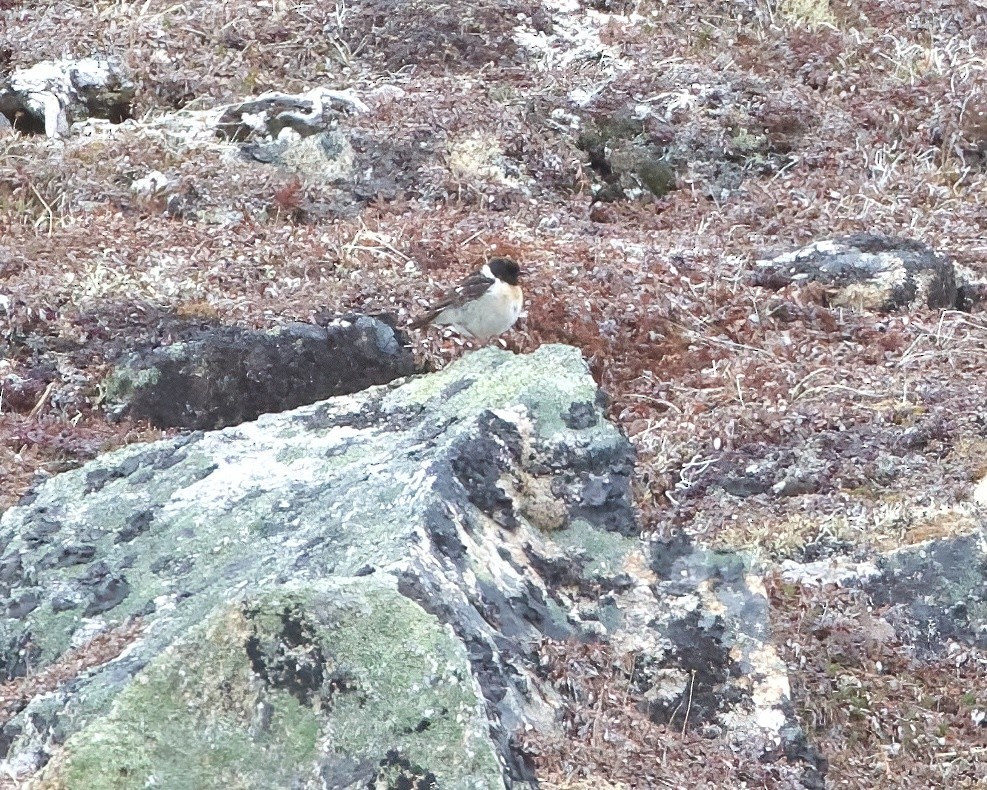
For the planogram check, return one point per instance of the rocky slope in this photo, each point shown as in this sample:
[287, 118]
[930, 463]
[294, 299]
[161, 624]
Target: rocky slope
[355, 591]
[641, 160]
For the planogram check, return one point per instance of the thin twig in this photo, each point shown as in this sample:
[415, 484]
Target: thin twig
[51, 214]
[42, 400]
[688, 708]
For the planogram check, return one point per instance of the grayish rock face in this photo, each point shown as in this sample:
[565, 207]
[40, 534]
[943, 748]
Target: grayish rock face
[308, 136]
[56, 93]
[351, 594]
[867, 272]
[227, 376]
[936, 592]
[265, 117]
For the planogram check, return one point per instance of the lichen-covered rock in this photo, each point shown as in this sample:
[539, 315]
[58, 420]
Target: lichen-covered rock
[867, 272]
[227, 376]
[936, 592]
[627, 166]
[351, 594]
[255, 682]
[295, 132]
[268, 115]
[54, 94]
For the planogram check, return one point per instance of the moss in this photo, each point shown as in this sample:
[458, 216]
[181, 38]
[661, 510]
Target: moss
[618, 127]
[52, 632]
[418, 691]
[211, 713]
[745, 144]
[657, 176]
[607, 550]
[124, 381]
[185, 723]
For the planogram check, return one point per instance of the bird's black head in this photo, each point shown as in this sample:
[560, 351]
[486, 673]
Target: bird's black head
[505, 269]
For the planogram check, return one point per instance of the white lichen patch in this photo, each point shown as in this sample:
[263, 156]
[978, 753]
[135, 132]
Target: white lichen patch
[834, 570]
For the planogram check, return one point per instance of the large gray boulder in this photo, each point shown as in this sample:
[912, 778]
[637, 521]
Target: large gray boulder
[351, 594]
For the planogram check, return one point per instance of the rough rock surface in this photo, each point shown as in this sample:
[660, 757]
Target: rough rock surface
[227, 376]
[936, 592]
[52, 95]
[867, 272]
[308, 135]
[295, 133]
[350, 594]
[271, 113]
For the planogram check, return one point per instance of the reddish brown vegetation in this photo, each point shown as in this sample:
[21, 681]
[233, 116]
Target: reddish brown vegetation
[779, 133]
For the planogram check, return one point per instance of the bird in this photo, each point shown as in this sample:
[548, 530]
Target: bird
[485, 304]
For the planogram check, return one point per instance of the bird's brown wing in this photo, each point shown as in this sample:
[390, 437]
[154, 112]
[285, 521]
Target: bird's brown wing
[473, 287]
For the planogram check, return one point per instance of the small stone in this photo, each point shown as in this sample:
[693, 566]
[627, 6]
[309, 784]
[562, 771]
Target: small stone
[106, 596]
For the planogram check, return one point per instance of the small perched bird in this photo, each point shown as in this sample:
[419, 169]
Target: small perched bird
[485, 304]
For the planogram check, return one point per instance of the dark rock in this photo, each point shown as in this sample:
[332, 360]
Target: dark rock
[41, 529]
[867, 272]
[66, 556]
[398, 772]
[17, 654]
[63, 603]
[95, 573]
[11, 570]
[98, 478]
[8, 735]
[443, 531]
[580, 416]
[227, 376]
[139, 524]
[107, 595]
[23, 605]
[293, 660]
[666, 553]
[605, 500]
[478, 465]
[699, 649]
[937, 592]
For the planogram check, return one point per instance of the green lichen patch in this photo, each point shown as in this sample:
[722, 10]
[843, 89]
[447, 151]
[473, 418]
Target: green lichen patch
[606, 551]
[274, 690]
[498, 379]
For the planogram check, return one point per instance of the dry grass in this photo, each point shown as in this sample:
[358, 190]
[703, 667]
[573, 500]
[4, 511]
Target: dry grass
[883, 717]
[780, 132]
